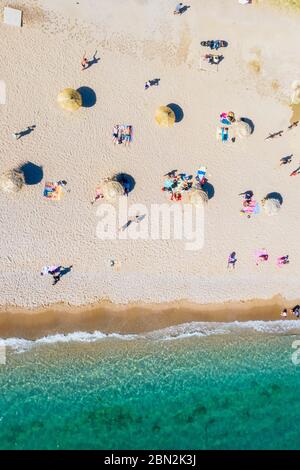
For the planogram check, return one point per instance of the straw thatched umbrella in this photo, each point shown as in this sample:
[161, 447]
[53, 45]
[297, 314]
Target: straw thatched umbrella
[241, 129]
[197, 197]
[295, 97]
[271, 206]
[12, 181]
[165, 116]
[111, 190]
[69, 99]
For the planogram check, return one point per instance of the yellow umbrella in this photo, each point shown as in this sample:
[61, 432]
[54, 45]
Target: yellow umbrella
[69, 99]
[111, 190]
[164, 116]
[197, 197]
[12, 181]
[295, 97]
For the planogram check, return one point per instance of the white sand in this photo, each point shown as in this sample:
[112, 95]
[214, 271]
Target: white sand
[138, 40]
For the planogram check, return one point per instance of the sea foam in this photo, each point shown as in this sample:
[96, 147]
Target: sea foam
[177, 332]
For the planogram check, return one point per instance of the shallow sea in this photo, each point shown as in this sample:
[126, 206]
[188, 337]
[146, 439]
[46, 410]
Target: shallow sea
[195, 386]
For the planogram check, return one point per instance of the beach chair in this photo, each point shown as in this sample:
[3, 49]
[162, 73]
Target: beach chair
[52, 191]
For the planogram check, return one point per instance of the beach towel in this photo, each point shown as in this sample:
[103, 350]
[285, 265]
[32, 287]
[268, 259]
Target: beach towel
[224, 135]
[168, 184]
[201, 173]
[52, 191]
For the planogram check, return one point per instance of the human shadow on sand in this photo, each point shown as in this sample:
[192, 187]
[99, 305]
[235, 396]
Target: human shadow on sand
[33, 174]
[88, 95]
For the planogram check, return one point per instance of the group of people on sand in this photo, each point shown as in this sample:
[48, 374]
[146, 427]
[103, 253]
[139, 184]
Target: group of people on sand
[226, 119]
[122, 134]
[177, 183]
[261, 256]
[294, 311]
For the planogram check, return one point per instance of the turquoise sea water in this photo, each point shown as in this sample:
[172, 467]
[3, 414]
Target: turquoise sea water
[195, 387]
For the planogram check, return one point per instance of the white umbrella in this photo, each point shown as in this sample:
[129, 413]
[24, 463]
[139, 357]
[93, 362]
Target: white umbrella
[271, 206]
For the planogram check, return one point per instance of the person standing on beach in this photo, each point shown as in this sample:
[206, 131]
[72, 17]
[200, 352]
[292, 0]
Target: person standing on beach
[56, 271]
[284, 313]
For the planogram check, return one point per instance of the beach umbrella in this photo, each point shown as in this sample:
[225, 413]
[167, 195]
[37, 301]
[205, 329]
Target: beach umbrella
[197, 197]
[12, 181]
[241, 128]
[295, 97]
[271, 206]
[69, 99]
[164, 116]
[111, 190]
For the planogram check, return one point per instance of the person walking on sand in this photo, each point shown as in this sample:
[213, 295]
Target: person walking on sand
[56, 271]
[282, 260]
[286, 160]
[284, 313]
[261, 256]
[84, 62]
[178, 9]
[296, 311]
[232, 259]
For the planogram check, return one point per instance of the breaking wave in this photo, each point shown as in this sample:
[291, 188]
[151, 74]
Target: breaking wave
[186, 330]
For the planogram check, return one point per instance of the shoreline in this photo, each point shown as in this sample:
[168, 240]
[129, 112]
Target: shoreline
[132, 319]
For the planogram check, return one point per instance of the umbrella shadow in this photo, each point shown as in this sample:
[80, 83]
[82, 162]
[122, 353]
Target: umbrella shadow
[276, 196]
[177, 110]
[88, 95]
[249, 122]
[33, 174]
[127, 181]
[209, 189]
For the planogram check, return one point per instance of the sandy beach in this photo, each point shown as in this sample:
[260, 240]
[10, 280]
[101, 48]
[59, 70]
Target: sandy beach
[137, 40]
